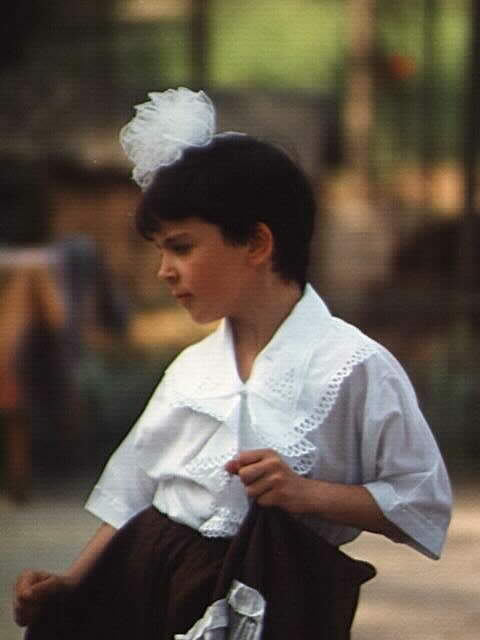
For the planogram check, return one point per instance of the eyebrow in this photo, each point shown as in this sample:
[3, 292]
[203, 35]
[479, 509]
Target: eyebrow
[173, 239]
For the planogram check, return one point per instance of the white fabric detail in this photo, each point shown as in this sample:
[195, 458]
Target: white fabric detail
[202, 466]
[293, 444]
[225, 522]
[163, 127]
[288, 396]
[239, 616]
[348, 414]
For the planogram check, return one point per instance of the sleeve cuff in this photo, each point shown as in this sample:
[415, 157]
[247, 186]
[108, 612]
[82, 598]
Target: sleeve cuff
[424, 535]
[108, 508]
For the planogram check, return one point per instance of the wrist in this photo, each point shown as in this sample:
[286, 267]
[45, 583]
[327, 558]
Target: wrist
[71, 579]
[319, 497]
[307, 497]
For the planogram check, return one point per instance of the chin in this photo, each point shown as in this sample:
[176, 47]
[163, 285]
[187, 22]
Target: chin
[204, 318]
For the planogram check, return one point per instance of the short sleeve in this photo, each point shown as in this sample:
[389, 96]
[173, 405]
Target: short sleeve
[123, 489]
[402, 466]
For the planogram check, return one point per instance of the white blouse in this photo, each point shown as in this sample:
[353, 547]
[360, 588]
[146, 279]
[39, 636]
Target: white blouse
[335, 404]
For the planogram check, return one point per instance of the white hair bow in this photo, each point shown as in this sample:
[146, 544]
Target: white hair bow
[163, 127]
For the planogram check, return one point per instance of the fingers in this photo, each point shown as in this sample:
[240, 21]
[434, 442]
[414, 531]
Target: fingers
[250, 465]
[259, 462]
[42, 591]
[260, 470]
[269, 480]
[254, 455]
[264, 486]
[247, 458]
[25, 607]
[32, 590]
[27, 581]
[232, 467]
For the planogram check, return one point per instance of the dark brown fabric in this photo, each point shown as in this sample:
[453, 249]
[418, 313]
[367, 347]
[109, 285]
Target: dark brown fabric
[157, 577]
[311, 587]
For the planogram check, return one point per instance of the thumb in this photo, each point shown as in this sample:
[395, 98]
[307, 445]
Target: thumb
[27, 580]
[232, 466]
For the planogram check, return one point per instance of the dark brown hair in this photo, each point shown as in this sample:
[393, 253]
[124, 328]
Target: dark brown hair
[236, 182]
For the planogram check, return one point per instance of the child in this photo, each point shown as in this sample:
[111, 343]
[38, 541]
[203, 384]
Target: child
[283, 405]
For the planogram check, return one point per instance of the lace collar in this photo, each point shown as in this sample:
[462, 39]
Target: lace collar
[293, 384]
[207, 370]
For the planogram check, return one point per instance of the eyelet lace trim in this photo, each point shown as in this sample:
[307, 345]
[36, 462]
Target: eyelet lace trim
[201, 466]
[304, 464]
[329, 398]
[300, 456]
[224, 523]
[294, 443]
[282, 386]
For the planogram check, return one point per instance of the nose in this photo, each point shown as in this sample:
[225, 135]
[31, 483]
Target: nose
[166, 270]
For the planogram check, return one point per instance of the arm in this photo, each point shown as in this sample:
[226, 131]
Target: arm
[122, 491]
[403, 490]
[35, 589]
[269, 480]
[122, 483]
[90, 553]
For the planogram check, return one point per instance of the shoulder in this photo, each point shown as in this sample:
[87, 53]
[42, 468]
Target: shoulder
[344, 358]
[382, 370]
[380, 391]
[340, 348]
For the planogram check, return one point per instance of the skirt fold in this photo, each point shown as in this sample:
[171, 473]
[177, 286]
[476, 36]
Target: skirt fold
[156, 578]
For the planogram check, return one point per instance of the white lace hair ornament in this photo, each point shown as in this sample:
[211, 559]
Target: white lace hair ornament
[163, 127]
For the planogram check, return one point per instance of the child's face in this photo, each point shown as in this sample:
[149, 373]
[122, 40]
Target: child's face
[207, 275]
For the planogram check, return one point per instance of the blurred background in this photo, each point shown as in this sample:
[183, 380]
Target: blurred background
[378, 101]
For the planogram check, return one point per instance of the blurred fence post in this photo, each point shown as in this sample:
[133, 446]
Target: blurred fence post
[466, 294]
[358, 221]
[470, 156]
[359, 93]
[429, 127]
[199, 47]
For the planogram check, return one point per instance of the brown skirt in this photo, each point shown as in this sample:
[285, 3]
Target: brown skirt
[156, 578]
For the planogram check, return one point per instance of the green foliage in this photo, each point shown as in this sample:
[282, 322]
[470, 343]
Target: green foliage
[403, 28]
[152, 55]
[422, 114]
[276, 44]
[293, 44]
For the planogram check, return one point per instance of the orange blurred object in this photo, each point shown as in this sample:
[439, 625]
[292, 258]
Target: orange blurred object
[401, 66]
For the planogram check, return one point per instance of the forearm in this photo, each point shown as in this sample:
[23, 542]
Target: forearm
[90, 553]
[269, 480]
[35, 589]
[350, 505]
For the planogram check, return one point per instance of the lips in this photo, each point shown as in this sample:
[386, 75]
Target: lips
[182, 296]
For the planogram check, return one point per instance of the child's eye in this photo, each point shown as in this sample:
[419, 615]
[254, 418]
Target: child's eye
[182, 249]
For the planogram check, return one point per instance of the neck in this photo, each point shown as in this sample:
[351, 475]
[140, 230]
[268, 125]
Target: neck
[253, 329]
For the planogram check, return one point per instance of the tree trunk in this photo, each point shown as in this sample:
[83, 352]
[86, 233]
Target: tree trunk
[199, 43]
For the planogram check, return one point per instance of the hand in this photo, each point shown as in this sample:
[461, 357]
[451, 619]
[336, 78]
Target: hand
[269, 480]
[33, 590]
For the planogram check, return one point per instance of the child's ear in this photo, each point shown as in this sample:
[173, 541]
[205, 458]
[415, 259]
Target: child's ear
[261, 244]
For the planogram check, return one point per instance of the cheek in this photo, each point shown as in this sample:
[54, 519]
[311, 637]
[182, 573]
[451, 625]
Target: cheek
[216, 272]
[201, 275]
